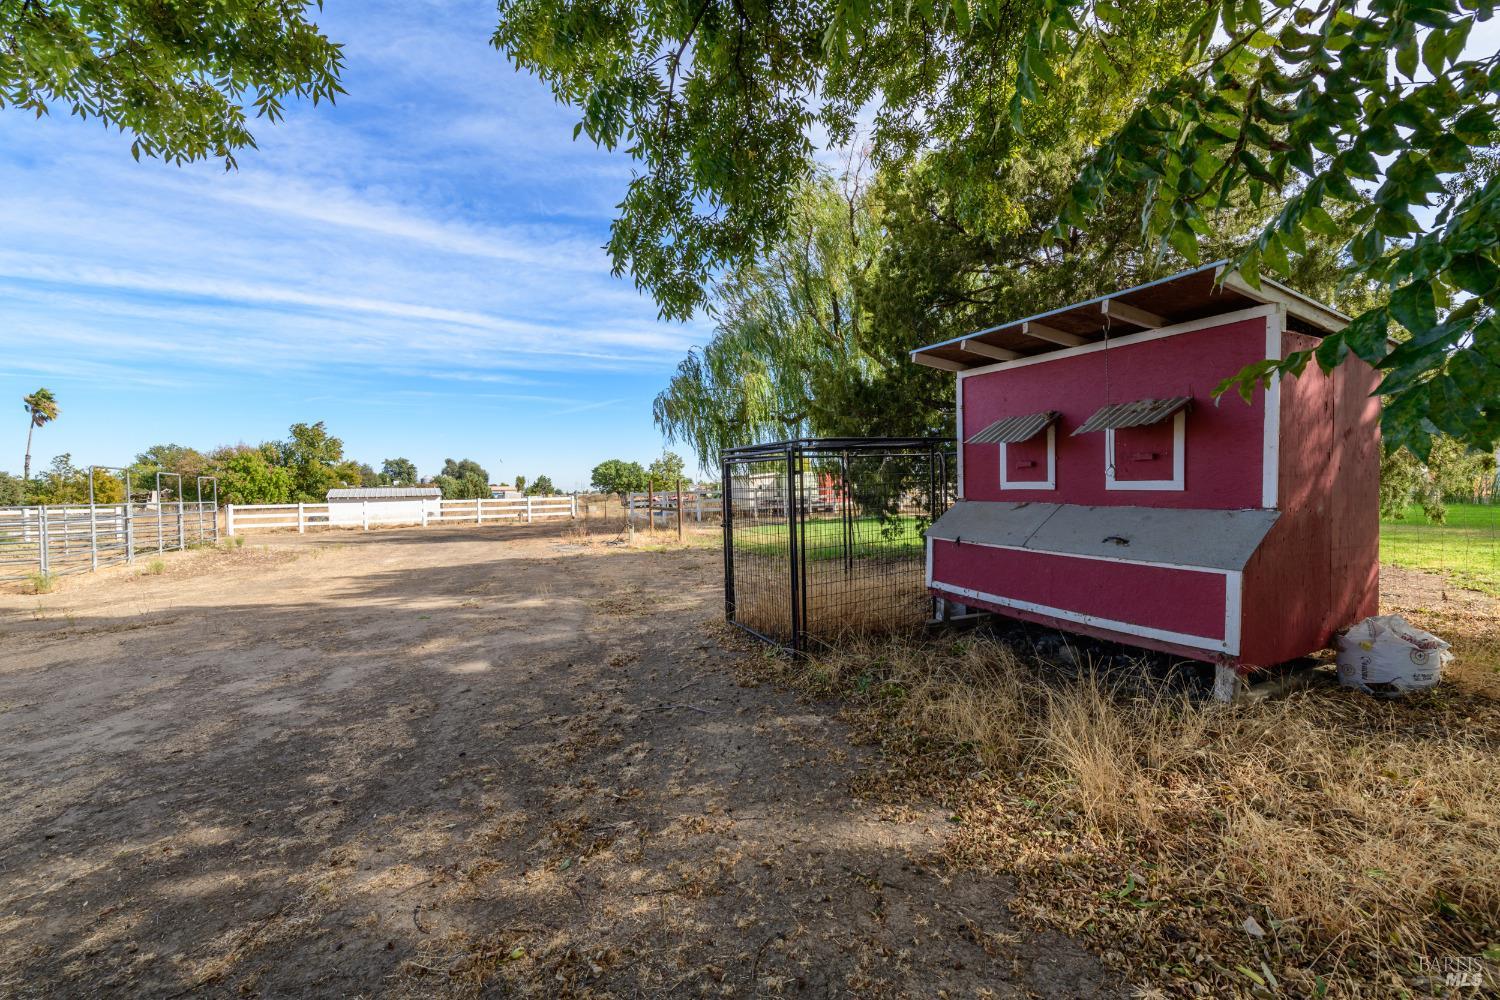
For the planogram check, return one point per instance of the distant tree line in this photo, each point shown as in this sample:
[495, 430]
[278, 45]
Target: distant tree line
[300, 468]
[1452, 472]
[616, 475]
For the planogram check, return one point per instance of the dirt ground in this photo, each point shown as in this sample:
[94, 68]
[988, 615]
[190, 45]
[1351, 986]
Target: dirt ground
[456, 762]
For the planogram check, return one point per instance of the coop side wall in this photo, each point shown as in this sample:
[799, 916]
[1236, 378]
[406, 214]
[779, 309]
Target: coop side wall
[1183, 610]
[1224, 438]
[1319, 568]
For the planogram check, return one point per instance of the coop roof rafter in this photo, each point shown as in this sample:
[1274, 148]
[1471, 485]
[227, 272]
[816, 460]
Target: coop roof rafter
[1195, 295]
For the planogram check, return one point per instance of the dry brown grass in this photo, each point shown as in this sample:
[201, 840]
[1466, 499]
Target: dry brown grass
[838, 606]
[1361, 837]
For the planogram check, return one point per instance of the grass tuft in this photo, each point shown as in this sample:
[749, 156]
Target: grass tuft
[42, 583]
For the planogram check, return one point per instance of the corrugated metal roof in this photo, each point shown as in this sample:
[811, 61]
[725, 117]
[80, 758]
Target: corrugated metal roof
[1135, 414]
[1208, 539]
[1010, 430]
[384, 493]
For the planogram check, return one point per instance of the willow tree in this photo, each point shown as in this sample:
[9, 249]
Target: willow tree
[789, 333]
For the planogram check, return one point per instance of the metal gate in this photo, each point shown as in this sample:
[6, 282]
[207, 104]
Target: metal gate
[76, 538]
[827, 537]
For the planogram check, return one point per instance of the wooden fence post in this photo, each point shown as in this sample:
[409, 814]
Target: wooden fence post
[478, 511]
[651, 505]
[528, 508]
[424, 512]
[301, 519]
[364, 514]
[679, 510]
[573, 506]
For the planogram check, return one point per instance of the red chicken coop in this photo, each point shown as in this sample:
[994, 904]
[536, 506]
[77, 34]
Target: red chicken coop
[1102, 489]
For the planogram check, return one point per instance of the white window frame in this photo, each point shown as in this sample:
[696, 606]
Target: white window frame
[1178, 481]
[1050, 483]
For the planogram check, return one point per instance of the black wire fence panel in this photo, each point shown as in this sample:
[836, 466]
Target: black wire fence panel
[828, 538]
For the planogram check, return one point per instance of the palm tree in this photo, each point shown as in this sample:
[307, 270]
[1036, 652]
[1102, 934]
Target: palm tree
[41, 407]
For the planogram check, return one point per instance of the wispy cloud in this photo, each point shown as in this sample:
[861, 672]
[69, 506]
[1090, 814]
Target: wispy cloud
[434, 239]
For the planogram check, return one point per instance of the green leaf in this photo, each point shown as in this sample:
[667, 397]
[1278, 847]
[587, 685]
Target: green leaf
[1317, 219]
[962, 16]
[1406, 56]
[1273, 252]
[1185, 242]
[1434, 51]
[1255, 168]
[1475, 125]
[1412, 306]
[1475, 273]
[1367, 335]
[1332, 352]
[1250, 269]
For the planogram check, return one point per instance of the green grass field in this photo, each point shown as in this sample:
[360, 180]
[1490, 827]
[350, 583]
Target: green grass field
[873, 539]
[1466, 549]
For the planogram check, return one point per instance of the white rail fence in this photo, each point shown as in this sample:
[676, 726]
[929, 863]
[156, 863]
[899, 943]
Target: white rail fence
[752, 498]
[696, 504]
[75, 538]
[365, 514]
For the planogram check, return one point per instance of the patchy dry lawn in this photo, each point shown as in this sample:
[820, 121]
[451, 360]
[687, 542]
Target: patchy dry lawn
[458, 762]
[1325, 843]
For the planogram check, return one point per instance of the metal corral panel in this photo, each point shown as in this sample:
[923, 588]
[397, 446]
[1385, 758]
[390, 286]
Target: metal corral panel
[1013, 430]
[1208, 539]
[1139, 413]
[991, 523]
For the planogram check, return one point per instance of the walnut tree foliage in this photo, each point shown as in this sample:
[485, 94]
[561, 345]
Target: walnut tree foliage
[1293, 105]
[1299, 97]
[182, 77]
[812, 335]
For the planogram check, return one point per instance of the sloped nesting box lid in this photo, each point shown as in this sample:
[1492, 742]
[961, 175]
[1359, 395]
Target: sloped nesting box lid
[1211, 539]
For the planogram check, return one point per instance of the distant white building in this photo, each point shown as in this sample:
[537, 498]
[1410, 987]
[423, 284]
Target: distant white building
[382, 504]
[503, 491]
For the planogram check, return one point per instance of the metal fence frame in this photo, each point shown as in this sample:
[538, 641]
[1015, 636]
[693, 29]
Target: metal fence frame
[62, 539]
[660, 505]
[843, 500]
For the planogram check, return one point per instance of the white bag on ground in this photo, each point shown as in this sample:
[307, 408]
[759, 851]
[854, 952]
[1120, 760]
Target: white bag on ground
[1387, 653]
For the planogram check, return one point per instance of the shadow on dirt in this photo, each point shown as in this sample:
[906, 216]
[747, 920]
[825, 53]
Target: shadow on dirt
[463, 766]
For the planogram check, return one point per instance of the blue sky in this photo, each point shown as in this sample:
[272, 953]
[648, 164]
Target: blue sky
[419, 266]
